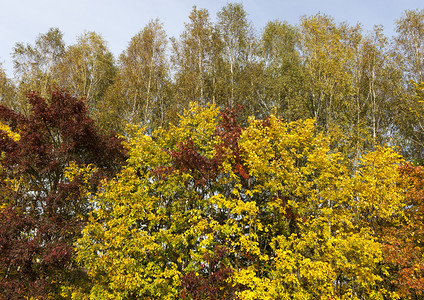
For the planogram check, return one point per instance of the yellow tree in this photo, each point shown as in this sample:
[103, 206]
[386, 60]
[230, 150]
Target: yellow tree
[209, 209]
[149, 225]
[330, 219]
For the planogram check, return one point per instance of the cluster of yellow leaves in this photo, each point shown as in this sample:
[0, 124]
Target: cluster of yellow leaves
[142, 222]
[13, 184]
[13, 135]
[301, 226]
[84, 173]
[334, 253]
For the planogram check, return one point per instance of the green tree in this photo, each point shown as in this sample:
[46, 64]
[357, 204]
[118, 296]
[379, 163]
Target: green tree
[36, 66]
[283, 78]
[140, 92]
[7, 91]
[87, 70]
[191, 58]
[237, 57]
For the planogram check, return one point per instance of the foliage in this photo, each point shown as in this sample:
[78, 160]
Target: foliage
[87, 69]
[192, 58]
[52, 161]
[209, 209]
[408, 53]
[36, 66]
[220, 205]
[403, 246]
[355, 85]
[139, 92]
[212, 281]
[283, 72]
[328, 49]
[7, 90]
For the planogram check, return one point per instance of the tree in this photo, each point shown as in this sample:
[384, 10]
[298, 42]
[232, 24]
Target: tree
[192, 58]
[403, 246]
[328, 51]
[7, 91]
[156, 247]
[370, 113]
[140, 91]
[284, 73]
[326, 220]
[212, 282]
[408, 54]
[266, 211]
[409, 46]
[36, 66]
[87, 70]
[237, 59]
[51, 160]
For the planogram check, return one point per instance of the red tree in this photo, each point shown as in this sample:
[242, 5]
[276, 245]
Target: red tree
[40, 217]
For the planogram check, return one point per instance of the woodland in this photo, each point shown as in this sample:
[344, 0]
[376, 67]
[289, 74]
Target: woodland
[226, 163]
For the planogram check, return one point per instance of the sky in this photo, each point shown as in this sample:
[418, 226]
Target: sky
[119, 20]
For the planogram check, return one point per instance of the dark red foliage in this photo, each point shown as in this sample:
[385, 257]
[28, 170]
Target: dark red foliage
[210, 282]
[162, 172]
[266, 123]
[40, 223]
[188, 159]
[289, 213]
[229, 130]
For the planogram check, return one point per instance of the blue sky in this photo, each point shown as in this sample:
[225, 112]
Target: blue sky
[119, 20]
